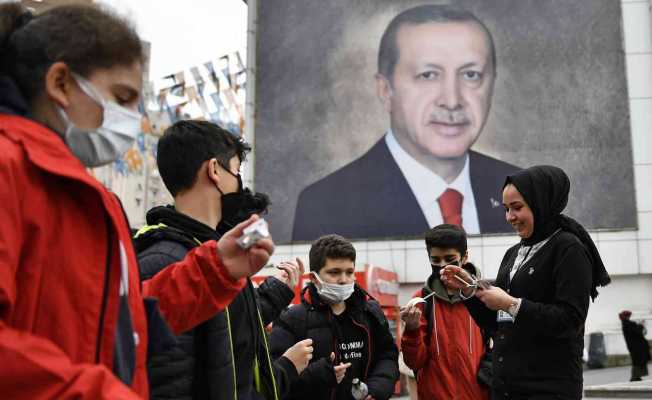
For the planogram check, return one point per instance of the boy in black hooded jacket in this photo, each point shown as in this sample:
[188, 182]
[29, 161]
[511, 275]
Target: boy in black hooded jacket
[350, 334]
[226, 357]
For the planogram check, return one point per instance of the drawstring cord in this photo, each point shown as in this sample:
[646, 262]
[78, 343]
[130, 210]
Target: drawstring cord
[470, 337]
[434, 318]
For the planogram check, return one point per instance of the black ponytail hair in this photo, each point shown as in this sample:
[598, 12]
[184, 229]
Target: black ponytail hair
[85, 37]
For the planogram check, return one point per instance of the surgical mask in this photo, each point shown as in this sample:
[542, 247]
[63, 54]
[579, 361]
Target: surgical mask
[106, 144]
[333, 293]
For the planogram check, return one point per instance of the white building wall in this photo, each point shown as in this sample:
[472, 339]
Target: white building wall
[626, 254]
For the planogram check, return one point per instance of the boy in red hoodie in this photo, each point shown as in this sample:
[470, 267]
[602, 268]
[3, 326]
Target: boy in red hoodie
[441, 342]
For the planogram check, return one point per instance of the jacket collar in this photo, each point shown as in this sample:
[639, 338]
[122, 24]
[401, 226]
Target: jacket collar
[169, 216]
[433, 284]
[11, 99]
[44, 148]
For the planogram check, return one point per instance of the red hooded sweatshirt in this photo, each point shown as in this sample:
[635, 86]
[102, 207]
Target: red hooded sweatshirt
[446, 359]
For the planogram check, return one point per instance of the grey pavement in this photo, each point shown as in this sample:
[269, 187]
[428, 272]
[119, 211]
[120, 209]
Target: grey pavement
[594, 377]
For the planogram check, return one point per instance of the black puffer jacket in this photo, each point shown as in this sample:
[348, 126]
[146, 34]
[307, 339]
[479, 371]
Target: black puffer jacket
[313, 319]
[201, 365]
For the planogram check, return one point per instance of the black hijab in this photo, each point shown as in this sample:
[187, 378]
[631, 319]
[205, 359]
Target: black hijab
[545, 189]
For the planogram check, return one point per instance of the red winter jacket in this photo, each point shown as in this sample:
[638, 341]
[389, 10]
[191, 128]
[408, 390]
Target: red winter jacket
[60, 275]
[446, 366]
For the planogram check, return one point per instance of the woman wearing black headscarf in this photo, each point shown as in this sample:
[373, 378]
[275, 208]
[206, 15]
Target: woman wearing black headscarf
[540, 300]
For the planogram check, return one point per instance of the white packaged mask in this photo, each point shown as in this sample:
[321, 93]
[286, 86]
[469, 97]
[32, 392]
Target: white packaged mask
[333, 293]
[106, 144]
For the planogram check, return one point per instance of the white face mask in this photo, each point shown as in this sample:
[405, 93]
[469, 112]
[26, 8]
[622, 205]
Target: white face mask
[111, 140]
[333, 293]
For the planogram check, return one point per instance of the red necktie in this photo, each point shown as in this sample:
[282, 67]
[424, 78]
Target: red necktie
[450, 203]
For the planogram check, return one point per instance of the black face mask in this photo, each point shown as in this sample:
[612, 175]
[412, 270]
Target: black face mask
[240, 205]
[437, 268]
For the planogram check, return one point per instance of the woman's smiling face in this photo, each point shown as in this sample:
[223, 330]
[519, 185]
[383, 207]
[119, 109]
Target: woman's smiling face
[517, 212]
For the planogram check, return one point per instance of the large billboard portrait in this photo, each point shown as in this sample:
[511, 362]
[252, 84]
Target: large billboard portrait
[379, 119]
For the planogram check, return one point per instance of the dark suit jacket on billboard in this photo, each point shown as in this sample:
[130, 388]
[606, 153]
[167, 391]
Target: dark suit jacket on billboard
[370, 198]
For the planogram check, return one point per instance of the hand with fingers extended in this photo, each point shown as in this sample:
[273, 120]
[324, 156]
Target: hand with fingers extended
[495, 298]
[300, 354]
[340, 370]
[457, 278]
[411, 315]
[239, 262]
[290, 272]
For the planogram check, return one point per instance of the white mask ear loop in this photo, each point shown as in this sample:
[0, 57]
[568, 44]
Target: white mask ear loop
[90, 90]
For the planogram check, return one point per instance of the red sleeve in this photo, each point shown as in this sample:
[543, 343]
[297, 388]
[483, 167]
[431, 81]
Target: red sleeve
[194, 289]
[33, 367]
[415, 350]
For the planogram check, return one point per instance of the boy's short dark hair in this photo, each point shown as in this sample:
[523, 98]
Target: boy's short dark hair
[446, 236]
[185, 146]
[334, 247]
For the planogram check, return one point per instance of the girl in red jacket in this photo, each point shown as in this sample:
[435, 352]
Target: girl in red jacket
[73, 321]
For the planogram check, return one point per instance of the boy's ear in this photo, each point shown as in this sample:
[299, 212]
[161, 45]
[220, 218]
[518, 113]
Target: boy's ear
[465, 257]
[212, 171]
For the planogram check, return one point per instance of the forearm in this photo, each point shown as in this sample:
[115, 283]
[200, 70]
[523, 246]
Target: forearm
[415, 351]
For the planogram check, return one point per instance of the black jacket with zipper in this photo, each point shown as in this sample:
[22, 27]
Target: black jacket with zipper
[313, 319]
[201, 365]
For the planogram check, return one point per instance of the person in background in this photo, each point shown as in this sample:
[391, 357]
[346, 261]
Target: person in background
[199, 163]
[637, 345]
[349, 332]
[441, 341]
[75, 321]
[540, 300]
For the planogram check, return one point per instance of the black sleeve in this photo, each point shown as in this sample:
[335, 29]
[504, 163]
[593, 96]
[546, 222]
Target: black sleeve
[319, 375]
[285, 374]
[483, 316]
[282, 337]
[273, 297]
[384, 370]
[572, 284]
[152, 260]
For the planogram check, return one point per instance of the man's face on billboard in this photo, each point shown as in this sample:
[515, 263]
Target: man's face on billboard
[440, 94]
